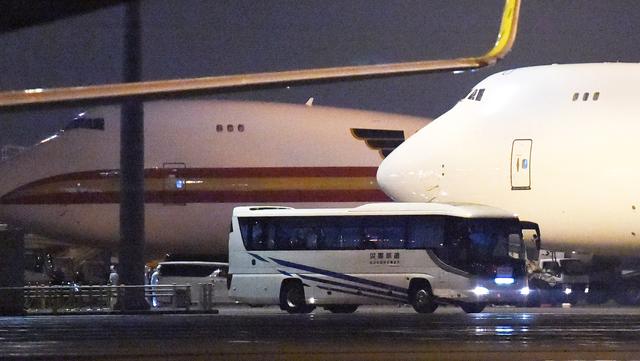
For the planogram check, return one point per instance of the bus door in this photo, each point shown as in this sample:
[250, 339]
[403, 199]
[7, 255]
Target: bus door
[521, 164]
[173, 184]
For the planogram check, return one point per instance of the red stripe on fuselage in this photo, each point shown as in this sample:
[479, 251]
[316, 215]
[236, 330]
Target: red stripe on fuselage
[199, 196]
[184, 197]
[214, 172]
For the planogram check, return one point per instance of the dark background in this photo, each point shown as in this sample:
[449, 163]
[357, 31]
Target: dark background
[51, 44]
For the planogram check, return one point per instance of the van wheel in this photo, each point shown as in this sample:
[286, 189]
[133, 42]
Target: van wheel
[292, 298]
[421, 298]
[342, 308]
[473, 307]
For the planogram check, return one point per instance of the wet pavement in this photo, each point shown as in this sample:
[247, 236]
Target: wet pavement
[372, 333]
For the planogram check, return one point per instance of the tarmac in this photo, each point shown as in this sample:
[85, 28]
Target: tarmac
[371, 333]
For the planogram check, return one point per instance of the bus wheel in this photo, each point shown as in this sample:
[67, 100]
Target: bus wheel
[472, 307]
[598, 294]
[629, 294]
[292, 297]
[342, 308]
[422, 299]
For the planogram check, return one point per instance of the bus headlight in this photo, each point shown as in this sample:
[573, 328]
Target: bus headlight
[504, 280]
[480, 291]
[525, 291]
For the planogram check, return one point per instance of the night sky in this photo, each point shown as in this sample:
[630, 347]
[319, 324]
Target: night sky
[201, 38]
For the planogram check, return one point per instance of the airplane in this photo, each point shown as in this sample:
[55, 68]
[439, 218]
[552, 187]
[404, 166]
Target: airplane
[202, 158]
[554, 144]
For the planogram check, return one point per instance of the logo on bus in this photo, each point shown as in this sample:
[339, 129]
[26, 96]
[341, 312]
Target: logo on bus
[388, 258]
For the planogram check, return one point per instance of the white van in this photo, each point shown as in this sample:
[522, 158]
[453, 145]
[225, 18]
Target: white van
[194, 273]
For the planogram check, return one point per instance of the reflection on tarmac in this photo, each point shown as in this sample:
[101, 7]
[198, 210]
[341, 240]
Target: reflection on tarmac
[371, 333]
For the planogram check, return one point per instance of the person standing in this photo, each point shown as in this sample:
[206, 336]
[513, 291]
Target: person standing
[113, 276]
[154, 282]
[113, 281]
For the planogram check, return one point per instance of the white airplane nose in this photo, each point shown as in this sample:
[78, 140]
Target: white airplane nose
[409, 173]
[389, 175]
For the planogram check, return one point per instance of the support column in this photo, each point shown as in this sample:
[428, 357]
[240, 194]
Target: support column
[132, 237]
[11, 272]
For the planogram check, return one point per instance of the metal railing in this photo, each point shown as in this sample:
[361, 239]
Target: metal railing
[79, 299]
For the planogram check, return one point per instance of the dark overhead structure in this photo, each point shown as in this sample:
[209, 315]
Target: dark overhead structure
[11, 271]
[132, 236]
[17, 14]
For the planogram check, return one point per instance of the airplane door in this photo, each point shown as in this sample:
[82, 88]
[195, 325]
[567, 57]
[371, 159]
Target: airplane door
[521, 164]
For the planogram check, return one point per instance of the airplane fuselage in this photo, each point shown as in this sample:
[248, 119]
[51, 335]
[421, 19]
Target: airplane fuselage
[556, 144]
[202, 158]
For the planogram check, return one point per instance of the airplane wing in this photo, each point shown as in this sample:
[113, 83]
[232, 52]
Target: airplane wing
[502, 46]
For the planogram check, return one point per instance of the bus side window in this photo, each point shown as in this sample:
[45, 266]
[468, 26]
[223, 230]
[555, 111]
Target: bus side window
[271, 236]
[374, 237]
[311, 238]
[350, 238]
[257, 236]
[284, 232]
[426, 233]
[516, 246]
[244, 232]
[329, 237]
[395, 237]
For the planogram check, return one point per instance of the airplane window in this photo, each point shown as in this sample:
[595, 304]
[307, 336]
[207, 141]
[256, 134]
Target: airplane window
[596, 96]
[219, 128]
[473, 94]
[229, 128]
[575, 96]
[241, 128]
[585, 97]
[480, 93]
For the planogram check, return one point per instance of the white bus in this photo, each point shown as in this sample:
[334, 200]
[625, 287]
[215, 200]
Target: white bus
[423, 254]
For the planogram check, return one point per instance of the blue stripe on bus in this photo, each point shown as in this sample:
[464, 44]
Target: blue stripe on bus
[357, 288]
[360, 294]
[340, 276]
[258, 257]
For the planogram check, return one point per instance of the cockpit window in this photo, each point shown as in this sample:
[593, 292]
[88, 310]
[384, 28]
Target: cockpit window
[86, 123]
[476, 94]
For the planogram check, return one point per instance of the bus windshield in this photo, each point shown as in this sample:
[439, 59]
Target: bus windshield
[478, 246]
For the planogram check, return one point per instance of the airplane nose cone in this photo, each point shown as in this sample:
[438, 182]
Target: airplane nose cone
[410, 173]
[389, 175]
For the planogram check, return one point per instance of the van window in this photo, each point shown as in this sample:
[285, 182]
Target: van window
[186, 270]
